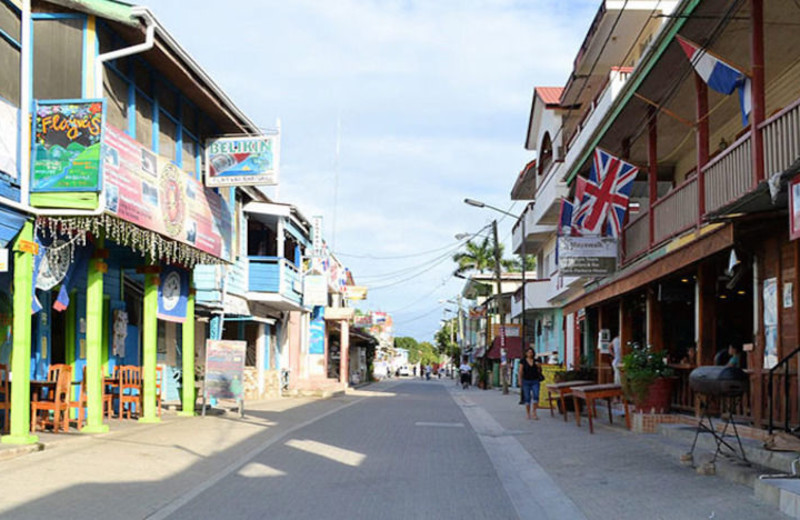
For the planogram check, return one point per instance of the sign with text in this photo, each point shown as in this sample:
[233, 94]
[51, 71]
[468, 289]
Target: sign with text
[511, 330]
[355, 292]
[794, 208]
[315, 290]
[66, 148]
[587, 256]
[153, 193]
[9, 139]
[225, 369]
[243, 161]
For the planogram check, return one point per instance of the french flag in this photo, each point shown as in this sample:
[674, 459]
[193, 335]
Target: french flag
[565, 219]
[719, 75]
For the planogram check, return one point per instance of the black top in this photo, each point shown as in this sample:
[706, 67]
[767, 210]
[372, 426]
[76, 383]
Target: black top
[530, 372]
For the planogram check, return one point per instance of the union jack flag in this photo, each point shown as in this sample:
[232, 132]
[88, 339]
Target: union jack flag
[606, 195]
[578, 208]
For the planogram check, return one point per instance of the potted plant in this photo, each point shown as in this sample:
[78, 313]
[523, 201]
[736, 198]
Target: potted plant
[483, 375]
[646, 379]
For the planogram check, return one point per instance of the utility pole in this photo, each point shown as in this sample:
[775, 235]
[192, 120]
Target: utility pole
[499, 301]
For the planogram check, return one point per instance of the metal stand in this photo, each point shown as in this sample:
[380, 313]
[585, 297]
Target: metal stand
[719, 437]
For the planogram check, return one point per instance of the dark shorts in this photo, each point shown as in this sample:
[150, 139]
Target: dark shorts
[530, 391]
[466, 378]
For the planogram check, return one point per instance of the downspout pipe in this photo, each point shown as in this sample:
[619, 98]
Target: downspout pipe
[26, 88]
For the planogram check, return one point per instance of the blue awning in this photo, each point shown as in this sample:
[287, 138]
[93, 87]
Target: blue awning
[11, 223]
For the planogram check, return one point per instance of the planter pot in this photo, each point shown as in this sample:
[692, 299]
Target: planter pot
[659, 396]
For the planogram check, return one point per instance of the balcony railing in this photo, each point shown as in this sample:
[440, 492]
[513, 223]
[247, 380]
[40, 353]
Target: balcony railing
[729, 175]
[637, 236]
[275, 275]
[676, 212]
[781, 139]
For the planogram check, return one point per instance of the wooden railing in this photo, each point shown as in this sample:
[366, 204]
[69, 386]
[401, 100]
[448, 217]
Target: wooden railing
[729, 175]
[676, 212]
[781, 139]
[637, 236]
[682, 394]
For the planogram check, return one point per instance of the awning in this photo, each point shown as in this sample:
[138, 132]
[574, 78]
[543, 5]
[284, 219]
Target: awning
[11, 223]
[513, 348]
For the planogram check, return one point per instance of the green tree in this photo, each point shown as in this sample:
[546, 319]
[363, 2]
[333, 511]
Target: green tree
[515, 264]
[445, 340]
[480, 257]
[410, 344]
[428, 353]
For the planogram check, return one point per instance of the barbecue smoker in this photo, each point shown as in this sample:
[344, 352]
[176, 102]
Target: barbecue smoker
[727, 385]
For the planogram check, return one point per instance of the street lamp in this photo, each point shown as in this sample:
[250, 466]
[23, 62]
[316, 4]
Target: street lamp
[524, 258]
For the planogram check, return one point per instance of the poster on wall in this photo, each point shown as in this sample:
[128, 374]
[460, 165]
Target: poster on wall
[243, 161]
[9, 139]
[794, 208]
[770, 302]
[316, 342]
[153, 193]
[66, 148]
[587, 256]
[173, 293]
[224, 377]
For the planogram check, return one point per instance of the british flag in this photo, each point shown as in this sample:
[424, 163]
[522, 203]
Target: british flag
[606, 195]
[578, 208]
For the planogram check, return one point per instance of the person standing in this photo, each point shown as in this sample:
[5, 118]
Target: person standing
[529, 378]
[466, 373]
[616, 363]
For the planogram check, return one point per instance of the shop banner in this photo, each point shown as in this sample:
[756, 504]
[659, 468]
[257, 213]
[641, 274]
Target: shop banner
[9, 139]
[315, 290]
[173, 293]
[794, 208]
[224, 378]
[512, 330]
[316, 343]
[243, 161]
[362, 321]
[66, 148]
[355, 292]
[587, 256]
[153, 193]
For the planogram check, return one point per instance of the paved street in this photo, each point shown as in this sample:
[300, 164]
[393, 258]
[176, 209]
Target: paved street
[408, 449]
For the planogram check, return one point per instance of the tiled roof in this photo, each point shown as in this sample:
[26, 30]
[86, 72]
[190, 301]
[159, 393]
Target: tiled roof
[550, 95]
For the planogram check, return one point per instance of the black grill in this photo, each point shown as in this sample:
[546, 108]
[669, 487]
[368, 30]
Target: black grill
[719, 381]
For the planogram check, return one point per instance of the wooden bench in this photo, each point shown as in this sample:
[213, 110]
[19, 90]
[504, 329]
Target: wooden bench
[590, 393]
[561, 391]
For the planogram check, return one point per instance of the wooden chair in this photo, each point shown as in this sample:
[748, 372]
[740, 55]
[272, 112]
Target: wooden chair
[57, 401]
[130, 389]
[5, 396]
[81, 403]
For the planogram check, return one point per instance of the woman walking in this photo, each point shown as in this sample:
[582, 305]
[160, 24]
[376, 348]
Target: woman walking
[529, 377]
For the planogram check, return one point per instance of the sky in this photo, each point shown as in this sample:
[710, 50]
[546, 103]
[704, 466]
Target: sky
[430, 102]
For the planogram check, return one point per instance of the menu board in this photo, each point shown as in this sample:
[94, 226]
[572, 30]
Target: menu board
[225, 369]
[153, 193]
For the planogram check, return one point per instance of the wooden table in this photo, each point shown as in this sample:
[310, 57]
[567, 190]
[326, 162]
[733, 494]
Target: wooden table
[591, 392]
[563, 390]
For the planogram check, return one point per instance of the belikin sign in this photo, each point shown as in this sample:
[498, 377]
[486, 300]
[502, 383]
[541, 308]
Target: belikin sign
[587, 256]
[243, 161]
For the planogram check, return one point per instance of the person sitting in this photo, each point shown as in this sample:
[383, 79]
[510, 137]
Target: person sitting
[735, 359]
[690, 358]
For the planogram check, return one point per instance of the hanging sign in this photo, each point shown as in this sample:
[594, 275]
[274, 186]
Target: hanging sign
[587, 256]
[794, 208]
[9, 139]
[153, 193]
[224, 378]
[316, 236]
[173, 293]
[355, 292]
[315, 290]
[243, 161]
[66, 147]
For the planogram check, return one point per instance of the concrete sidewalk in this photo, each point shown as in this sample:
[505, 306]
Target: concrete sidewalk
[138, 470]
[613, 473]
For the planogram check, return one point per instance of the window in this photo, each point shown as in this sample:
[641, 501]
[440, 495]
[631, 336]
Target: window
[144, 121]
[545, 153]
[116, 92]
[167, 137]
[167, 99]
[58, 58]
[9, 54]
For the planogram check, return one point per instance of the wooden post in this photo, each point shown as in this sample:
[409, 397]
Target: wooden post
[757, 98]
[652, 169]
[655, 329]
[20, 415]
[707, 307]
[701, 90]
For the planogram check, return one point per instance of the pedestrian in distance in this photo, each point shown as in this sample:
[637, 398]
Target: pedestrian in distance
[466, 373]
[529, 378]
[428, 371]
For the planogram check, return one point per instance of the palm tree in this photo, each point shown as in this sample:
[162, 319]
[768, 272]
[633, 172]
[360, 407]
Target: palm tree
[477, 257]
[515, 264]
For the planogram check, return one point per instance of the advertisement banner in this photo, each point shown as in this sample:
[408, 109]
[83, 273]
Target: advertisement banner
[512, 330]
[225, 369]
[355, 292]
[173, 293]
[242, 161]
[770, 304]
[153, 193]
[315, 290]
[316, 340]
[794, 208]
[9, 139]
[587, 256]
[66, 148]
[362, 321]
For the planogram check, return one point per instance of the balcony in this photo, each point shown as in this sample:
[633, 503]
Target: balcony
[536, 293]
[537, 234]
[276, 281]
[725, 179]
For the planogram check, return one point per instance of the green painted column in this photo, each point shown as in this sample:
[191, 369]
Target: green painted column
[94, 343]
[188, 396]
[149, 347]
[21, 343]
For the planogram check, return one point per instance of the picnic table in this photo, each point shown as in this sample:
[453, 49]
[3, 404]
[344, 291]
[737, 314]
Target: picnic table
[564, 390]
[590, 393]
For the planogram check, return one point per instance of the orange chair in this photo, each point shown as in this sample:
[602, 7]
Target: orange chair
[5, 396]
[130, 389]
[81, 403]
[56, 401]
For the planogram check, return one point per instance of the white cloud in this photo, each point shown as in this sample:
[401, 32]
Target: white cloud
[433, 99]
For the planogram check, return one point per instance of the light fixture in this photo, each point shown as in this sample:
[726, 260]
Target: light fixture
[462, 236]
[741, 292]
[685, 280]
[476, 203]
[723, 296]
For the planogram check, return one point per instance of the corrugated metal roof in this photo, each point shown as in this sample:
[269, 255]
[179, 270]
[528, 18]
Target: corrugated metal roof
[550, 95]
